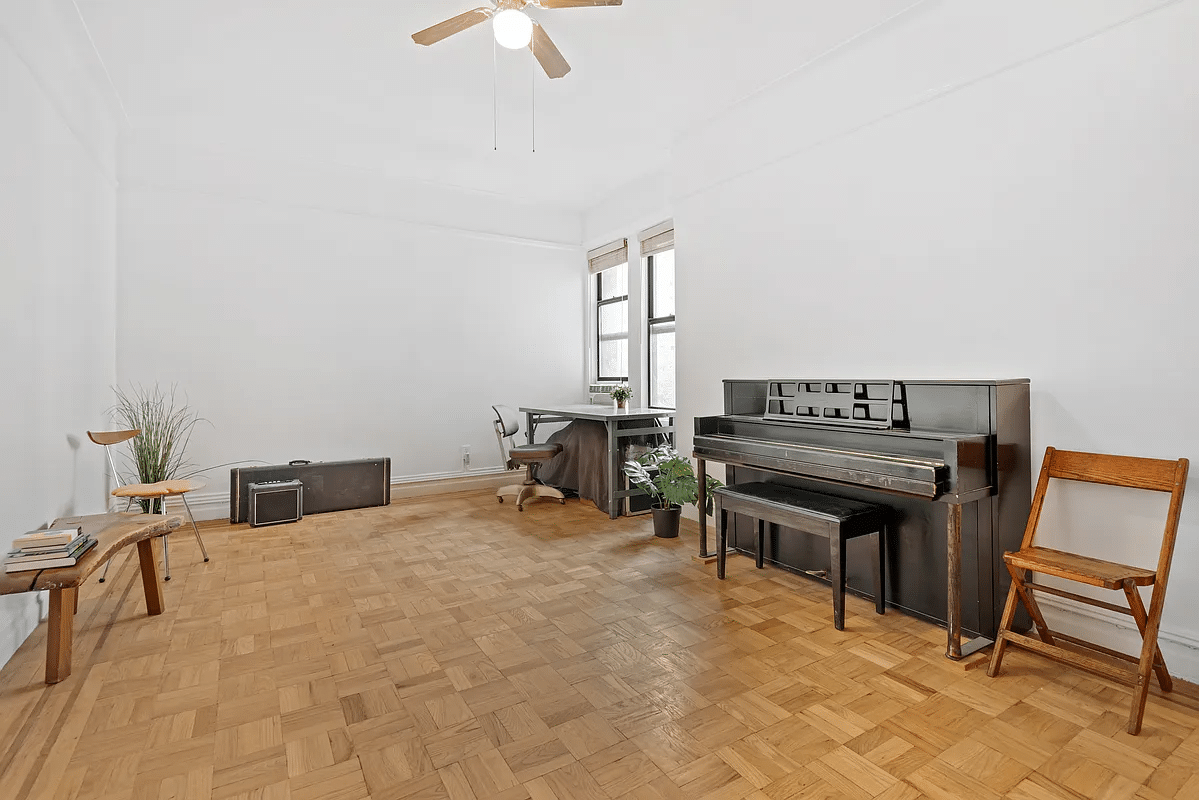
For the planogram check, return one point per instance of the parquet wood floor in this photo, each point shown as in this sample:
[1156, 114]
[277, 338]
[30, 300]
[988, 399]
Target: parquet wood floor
[451, 647]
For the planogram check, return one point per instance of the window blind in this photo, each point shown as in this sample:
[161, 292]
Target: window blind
[658, 238]
[608, 256]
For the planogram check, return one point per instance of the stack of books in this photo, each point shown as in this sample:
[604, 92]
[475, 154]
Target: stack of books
[57, 547]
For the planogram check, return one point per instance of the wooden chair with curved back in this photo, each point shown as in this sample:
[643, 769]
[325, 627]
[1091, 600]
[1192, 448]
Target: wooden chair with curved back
[1138, 473]
[159, 490]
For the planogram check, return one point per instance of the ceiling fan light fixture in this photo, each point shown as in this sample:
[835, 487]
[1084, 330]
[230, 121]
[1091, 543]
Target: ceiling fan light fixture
[513, 29]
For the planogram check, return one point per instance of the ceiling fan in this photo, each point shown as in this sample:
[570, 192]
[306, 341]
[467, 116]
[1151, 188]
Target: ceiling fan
[513, 29]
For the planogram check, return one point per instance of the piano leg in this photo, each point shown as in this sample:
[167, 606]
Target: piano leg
[701, 472]
[955, 649]
[954, 615]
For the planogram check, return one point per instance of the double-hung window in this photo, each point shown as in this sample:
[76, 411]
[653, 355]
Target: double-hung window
[610, 267]
[657, 248]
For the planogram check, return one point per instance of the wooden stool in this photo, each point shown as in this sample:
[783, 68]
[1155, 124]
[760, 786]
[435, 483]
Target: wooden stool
[112, 532]
[835, 518]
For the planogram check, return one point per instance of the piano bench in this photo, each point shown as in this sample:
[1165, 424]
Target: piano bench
[835, 518]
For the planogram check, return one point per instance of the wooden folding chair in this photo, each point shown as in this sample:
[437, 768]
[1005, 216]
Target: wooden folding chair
[1138, 473]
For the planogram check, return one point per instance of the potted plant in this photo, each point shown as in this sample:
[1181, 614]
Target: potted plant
[621, 395]
[166, 427]
[671, 481]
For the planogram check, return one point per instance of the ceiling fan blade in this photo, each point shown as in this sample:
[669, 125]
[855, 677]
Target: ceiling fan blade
[451, 26]
[547, 53]
[575, 3]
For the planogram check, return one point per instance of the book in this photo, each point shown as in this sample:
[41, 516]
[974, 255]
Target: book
[55, 548]
[46, 538]
[48, 563]
[74, 548]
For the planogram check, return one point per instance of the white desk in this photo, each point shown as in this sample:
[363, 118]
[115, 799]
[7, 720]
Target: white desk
[611, 417]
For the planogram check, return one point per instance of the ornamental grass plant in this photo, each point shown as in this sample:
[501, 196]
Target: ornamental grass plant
[166, 424]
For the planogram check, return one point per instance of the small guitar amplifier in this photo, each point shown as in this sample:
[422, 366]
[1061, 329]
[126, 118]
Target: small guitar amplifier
[273, 502]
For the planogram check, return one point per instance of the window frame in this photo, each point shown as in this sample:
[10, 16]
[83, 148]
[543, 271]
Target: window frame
[650, 322]
[600, 302]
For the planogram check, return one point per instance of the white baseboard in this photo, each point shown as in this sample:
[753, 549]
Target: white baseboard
[1118, 632]
[423, 486]
[19, 616]
[215, 505]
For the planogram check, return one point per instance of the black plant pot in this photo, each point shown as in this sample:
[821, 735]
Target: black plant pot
[666, 522]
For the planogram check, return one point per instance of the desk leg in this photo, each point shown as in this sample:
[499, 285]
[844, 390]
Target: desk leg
[529, 426]
[62, 628]
[150, 582]
[613, 471]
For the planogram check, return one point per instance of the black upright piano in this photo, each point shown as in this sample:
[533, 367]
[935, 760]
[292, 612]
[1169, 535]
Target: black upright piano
[951, 458]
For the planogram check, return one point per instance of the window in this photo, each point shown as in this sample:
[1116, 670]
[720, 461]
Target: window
[612, 330]
[610, 265]
[660, 279]
[657, 248]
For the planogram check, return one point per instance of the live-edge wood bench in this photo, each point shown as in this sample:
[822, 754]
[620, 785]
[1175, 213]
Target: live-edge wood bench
[112, 532]
[835, 518]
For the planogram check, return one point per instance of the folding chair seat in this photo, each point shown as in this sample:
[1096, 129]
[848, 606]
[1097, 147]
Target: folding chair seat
[1137, 473]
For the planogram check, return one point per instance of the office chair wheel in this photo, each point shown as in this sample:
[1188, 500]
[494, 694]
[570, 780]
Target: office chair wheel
[206, 560]
[501, 500]
[561, 501]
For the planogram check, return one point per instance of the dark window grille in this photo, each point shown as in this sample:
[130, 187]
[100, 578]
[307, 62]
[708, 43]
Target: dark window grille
[660, 326]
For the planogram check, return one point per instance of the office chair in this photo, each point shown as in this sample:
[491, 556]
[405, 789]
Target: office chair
[1150, 474]
[507, 425]
[160, 490]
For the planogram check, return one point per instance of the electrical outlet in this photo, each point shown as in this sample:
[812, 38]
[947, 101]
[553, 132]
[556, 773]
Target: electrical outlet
[466, 456]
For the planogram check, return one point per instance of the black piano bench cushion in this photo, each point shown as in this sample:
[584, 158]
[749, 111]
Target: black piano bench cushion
[534, 452]
[836, 518]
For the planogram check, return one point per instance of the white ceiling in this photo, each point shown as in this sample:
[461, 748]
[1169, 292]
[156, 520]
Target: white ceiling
[341, 82]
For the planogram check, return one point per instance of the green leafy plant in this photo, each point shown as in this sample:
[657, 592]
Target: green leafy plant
[669, 479]
[621, 393]
[166, 425]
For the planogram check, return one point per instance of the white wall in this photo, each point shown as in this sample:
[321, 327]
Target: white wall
[58, 262]
[979, 190]
[312, 313]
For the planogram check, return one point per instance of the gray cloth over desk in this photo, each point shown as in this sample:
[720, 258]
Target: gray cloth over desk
[582, 464]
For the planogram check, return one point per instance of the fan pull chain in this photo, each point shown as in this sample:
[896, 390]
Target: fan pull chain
[495, 103]
[533, 82]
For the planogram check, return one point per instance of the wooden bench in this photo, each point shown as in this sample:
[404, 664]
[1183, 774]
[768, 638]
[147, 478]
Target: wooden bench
[835, 518]
[112, 533]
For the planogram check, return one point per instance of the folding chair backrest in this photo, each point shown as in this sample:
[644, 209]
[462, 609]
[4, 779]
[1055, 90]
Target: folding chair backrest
[1138, 473]
[1151, 474]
